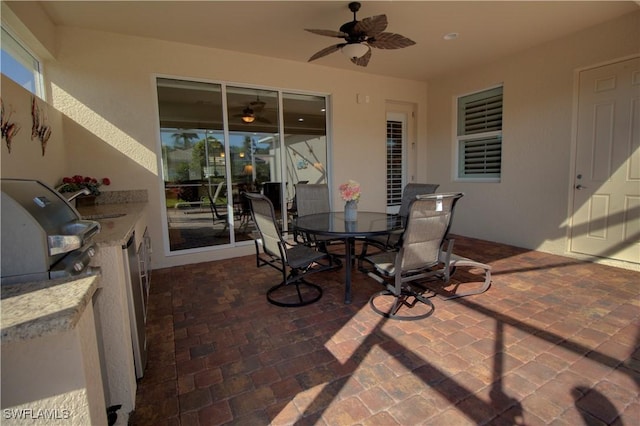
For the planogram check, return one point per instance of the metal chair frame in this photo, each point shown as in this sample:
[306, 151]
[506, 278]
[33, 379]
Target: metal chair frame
[409, 193]
[310, 199]
[419, 254]
[295, 262]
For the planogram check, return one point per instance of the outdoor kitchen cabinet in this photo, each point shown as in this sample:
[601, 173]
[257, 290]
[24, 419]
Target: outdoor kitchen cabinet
[113, 310]
[50, 357]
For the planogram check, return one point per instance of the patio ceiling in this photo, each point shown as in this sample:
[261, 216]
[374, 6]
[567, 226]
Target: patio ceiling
[487, 30]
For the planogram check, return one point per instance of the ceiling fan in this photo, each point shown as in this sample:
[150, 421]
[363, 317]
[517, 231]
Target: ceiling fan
[360, 37]
[250, 112]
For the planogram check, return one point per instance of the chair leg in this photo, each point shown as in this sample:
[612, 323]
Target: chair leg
[458, 261]
[399, 301]
[305, 293]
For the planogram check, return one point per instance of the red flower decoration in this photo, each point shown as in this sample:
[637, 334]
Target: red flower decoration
[77, 182]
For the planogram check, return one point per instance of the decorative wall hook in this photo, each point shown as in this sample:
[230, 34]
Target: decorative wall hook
[8, 129]
[40, 129]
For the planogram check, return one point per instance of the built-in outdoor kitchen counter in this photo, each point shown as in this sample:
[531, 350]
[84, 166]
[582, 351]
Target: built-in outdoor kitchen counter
[41, 308]
[30, 310]
[117, 221]
[123, 256]
[118, 213]
[50, 356]
[67, 343]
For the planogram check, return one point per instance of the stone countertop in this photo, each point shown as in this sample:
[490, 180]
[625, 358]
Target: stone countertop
[31, 310]
[117, 221]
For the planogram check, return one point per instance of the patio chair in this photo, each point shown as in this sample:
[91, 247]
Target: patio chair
[310, 199]
[295, 262]
[409, 193]
[390, 242]
[272, 190]
[218, 217]
[293, 209]
[418, 257]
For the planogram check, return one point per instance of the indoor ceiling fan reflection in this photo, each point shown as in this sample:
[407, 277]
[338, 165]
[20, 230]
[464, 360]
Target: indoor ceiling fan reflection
[251, 112]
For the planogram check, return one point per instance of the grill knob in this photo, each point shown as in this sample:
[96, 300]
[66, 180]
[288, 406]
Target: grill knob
[91, 252]
[78, 266]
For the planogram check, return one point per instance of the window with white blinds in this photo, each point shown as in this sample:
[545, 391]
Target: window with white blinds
[394, 162]
[479, 134]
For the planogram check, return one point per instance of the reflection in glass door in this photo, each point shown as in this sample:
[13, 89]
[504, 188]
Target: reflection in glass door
[212, 156]
[305, 140]
[254, 141]
[193, 163]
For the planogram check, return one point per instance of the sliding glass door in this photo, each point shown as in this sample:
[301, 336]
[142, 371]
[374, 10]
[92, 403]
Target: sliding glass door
[219, 141]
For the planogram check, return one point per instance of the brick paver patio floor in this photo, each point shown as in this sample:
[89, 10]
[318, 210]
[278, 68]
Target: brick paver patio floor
[553, 341]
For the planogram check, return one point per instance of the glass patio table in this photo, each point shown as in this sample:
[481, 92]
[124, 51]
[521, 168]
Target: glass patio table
[332, 224]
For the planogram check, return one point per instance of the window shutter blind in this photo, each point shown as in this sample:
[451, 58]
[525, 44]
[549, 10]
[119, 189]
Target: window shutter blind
[394, 163]
[482, 156]
[484, 115]
[480, 134]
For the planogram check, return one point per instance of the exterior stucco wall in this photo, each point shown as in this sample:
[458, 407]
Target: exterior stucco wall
[105, 83]
[530, 206]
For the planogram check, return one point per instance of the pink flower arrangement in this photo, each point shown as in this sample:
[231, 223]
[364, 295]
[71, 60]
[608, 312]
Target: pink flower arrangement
[350, 191]
[77, 182]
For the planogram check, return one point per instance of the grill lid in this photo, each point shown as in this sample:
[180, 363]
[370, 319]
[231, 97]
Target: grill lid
[39, 227]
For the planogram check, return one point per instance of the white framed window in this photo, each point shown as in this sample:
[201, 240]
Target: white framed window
[479, 135]
[20, 64]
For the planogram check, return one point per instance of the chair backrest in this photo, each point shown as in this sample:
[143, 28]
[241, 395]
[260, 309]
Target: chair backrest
[212, 201]
[427, 226]
[294, 203]
[312, 198]
[264, 218]
[272, 190]
[410, 191]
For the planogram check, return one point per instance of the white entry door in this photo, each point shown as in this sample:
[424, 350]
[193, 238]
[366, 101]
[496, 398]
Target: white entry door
[606, 202]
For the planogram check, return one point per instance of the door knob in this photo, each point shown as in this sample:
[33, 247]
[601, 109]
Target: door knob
[579, 187]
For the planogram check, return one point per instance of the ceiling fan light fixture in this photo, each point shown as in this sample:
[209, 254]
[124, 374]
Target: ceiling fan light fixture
[355, 50]
[248, 116]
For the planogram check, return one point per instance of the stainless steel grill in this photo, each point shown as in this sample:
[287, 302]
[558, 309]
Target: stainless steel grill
[43, 235]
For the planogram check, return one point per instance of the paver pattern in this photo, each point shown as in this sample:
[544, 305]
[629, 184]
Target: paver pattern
[553, 341]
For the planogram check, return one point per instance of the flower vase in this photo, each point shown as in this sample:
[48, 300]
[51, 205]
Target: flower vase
[351, 211]
[350, 226]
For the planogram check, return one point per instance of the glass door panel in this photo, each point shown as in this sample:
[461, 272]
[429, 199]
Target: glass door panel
[254, 146]
[193, 163]
[211, 157]
[305, 138]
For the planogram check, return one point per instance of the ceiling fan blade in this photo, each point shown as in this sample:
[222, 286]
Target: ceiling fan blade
[326, 51]
[372, 26]
[390, 41]
[263, 120]
[328, 33]
[362, 61]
